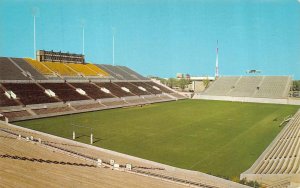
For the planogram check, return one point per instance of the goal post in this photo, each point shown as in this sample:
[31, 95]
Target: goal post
[80, 130]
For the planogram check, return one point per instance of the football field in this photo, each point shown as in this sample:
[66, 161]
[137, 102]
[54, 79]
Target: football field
[215, 137]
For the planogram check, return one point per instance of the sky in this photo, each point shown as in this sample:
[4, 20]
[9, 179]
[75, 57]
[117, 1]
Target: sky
[161, 37]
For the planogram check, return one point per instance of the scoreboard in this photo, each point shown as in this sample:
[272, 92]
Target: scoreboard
[42, 56]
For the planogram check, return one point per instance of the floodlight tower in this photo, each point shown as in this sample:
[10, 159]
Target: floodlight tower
[34, 13]
[82, 25]
[82, 40]
[34, 42]
[217, 63]
[113, 45]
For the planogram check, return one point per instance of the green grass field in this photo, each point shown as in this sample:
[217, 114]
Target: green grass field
[220, 138]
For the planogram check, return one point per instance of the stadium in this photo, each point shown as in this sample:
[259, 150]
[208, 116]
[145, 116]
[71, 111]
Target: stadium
[68, 122]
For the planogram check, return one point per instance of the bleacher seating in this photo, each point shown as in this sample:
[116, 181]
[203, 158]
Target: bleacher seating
[29, 93]
[133, 89]
[92, 90]
[42, 68]
[251, 86]
[246, 86]
[61, 69]
[109, 71]
[114, 103]
[88, 106]
[16, 114]
[162, 88]
[41, 89]
[81, 69]
[97, 69]
[87, 69]
[67, 69]
[132, 73]
[5, 101]
[117, 73]
[114, 89]
[222, 86]
[64, 91]
[147, 87]
[274, 87]
[8, 71]
[282, 157]
[28, 68]
[42, 111]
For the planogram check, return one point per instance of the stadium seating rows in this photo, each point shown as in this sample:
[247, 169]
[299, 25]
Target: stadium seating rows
[118, 73]
[65, 92]
[32, 89]
[16, 114]
[29, 93]
[132, 73]
[92, 90]
[274, 86]
[34, 93]
[42, 111]
[133, 89]
[114, 89]
[39, 66]
[67, 69]
[5, 101]
[9, 71]
[97, 70]
[38, 96]
[283, 157]
[26, 67]
[148, 87]
[160, 87]
[251, 86]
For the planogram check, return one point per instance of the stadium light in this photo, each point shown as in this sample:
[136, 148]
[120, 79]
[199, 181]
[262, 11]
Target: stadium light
[35, 12]
[217, 63]
[83, 40]
[82, 23]
[113, 45]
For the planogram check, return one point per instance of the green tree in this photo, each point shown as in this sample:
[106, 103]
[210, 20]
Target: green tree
[183, 83]
[206, 82]
[296, 85]
[171, 82]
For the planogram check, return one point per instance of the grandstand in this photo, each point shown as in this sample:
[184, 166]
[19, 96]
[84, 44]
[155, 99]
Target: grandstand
[10, 71]
[33, 89]
[279, 164]
[251, 86]
[67, 69]
[119, 73]
[261, 89]
[29, 93]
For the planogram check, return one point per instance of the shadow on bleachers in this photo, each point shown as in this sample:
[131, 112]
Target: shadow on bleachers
[15, 157]
[49, 142]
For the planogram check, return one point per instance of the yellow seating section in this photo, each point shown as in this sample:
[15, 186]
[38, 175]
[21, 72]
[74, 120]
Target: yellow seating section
[97, 69]
[83, 69]
[66, 69]
[60, 68]
[39, 66]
